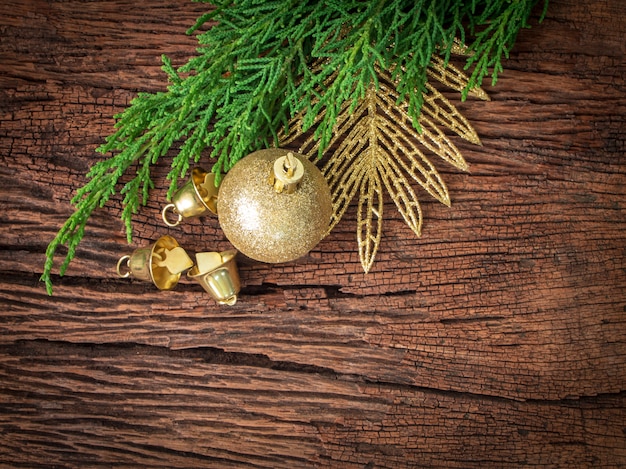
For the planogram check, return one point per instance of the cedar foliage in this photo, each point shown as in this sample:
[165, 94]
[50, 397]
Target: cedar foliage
[255, 70]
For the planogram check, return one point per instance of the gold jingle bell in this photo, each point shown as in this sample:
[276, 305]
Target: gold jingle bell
[160, 263]
[193, 199]
[274, 205]
[217, 273]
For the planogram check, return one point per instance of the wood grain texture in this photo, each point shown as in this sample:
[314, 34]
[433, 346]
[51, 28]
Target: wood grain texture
[497, 339]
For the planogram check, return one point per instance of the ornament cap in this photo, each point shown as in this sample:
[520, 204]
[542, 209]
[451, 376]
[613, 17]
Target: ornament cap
[286, 173]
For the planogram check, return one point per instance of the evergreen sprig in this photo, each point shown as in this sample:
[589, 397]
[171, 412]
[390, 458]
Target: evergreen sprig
[256, 69]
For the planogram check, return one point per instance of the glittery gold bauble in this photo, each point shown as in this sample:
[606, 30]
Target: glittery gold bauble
[274, 205]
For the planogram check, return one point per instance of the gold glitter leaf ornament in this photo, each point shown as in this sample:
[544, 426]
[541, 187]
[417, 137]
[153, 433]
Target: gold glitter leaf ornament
[376, 145]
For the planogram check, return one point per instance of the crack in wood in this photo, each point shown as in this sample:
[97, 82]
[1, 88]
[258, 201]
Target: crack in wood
[209, 355]
[218, 356]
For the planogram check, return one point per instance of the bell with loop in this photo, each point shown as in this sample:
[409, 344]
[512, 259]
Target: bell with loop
[217, 273]
[160, 263]
[195, 198]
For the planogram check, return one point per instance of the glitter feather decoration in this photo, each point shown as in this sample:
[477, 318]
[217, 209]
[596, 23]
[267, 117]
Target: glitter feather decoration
[375, 145]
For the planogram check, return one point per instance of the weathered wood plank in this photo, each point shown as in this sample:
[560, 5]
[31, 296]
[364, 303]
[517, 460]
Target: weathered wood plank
[115, 44]
[119, 406]
[498, 338]
[546, 349]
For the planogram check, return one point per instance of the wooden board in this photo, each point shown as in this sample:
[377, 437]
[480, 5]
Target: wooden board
[497, 339]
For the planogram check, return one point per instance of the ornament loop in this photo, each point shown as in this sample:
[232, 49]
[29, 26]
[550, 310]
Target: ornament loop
[119, 266]
[166, 209]
[229, 301]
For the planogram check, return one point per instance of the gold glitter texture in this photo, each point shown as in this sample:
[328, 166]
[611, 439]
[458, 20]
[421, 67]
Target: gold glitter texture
[266, 225]
[376, 145]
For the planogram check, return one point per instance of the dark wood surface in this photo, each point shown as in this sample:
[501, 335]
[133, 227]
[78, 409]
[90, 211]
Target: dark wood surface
[497, 339]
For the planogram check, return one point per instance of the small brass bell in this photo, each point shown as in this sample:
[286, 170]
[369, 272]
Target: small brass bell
[274, 205]
[160, 263]
[193, 199]
[217, 273]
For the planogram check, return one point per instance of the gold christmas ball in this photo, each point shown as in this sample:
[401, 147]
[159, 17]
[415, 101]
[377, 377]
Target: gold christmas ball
[274, 205]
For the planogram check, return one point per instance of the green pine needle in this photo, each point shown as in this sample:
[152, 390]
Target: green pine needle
[256, 69]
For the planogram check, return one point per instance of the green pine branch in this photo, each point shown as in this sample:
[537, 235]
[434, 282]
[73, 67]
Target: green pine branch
[256, 68]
